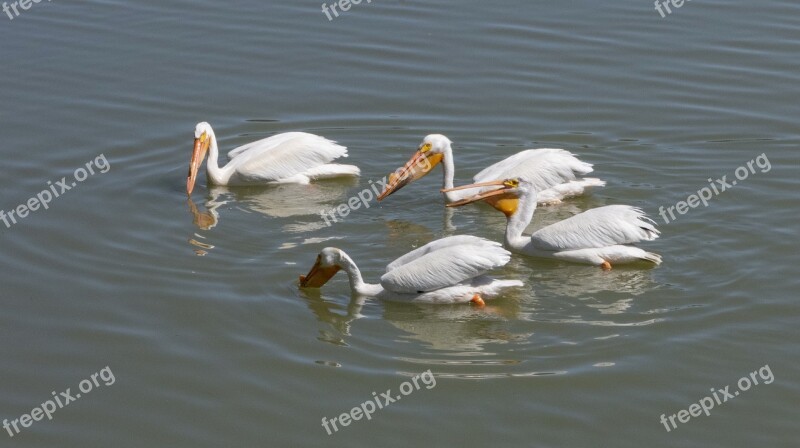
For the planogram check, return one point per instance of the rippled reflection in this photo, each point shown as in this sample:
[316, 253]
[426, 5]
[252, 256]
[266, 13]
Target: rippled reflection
[580, 280]
[291, 200]
[207, 219]
[339, 318]
[277, 201]
[274, 201]
[456, 328]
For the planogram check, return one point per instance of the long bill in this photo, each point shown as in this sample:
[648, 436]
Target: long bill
[503, 184]
[416, 168]
[318, 275]
[198, 154]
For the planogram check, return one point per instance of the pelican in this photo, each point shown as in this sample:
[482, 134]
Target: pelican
[291, 157]
[553, 172]
[598, 236]
[448, 270]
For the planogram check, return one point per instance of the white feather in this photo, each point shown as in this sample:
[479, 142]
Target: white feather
[331, 170]
[543, 168]
[291, 157]
[284, 155]
[486, 287]
[444, 263]
[558, 193]
[436, 245]
[613, 254]
[265, 143]
[597, 236]
[597, 227]
[449, 270]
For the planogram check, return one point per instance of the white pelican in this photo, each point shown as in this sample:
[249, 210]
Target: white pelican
[553, 172]
[597, 236]
[448, 270]
[291, 157]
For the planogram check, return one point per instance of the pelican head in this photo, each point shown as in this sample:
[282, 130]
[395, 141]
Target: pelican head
[328, 263]
[202, 140]
[505, 197]
[430, 153]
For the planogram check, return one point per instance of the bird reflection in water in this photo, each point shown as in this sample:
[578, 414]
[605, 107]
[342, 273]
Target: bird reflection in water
[330, 313]
[456, 329]
[203, 220]
[273, 201]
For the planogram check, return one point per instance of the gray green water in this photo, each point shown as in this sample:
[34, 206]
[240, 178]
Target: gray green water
[224, 350]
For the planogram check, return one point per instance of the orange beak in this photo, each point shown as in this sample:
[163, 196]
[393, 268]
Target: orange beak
[480, 196]
[198, 154]
[416, 168]
[318, 275]
[500, 198]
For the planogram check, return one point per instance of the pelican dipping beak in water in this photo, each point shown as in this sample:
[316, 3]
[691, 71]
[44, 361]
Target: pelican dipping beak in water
[291, 157]
[448, 270]
[598, 236]
[553, 172]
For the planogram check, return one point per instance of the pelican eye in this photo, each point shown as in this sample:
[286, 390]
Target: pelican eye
[425, 148]
[511, 183]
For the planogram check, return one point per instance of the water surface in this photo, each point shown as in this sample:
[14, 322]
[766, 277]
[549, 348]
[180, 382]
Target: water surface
[195, 308]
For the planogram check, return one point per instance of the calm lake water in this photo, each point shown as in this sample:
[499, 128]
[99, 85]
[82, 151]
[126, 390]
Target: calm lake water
[199, 316]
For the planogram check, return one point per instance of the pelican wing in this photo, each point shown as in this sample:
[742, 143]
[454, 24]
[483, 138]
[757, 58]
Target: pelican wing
[442, 263]
[598, 227]
[434, 246]
[544, 168]
[284, 155]
[265, 144]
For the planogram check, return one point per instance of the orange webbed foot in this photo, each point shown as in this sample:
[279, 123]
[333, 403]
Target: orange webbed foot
[478, 301]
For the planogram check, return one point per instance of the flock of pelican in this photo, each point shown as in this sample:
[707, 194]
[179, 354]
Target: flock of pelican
[451, 269]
